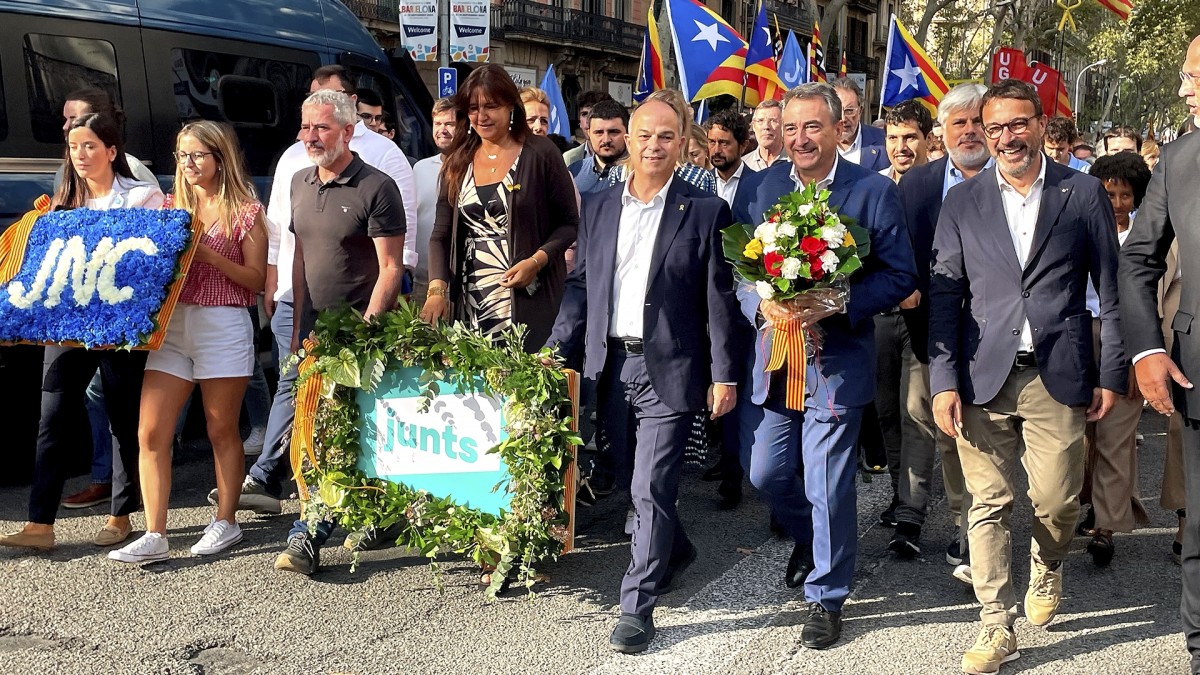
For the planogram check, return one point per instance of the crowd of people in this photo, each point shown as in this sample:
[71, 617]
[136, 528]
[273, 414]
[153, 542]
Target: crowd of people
[1024, 300]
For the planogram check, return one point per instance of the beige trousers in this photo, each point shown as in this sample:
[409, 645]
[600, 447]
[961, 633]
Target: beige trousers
[1022, 423]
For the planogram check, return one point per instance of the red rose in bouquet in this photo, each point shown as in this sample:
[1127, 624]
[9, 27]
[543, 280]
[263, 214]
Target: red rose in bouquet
[813, 246]
[773, 262]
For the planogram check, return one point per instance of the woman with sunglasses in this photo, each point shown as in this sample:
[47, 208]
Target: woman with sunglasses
[210, 340]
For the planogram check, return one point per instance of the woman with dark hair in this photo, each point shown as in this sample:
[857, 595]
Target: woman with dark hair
[506, 213]
[96, 176]
[91, 100]
[1111, 468]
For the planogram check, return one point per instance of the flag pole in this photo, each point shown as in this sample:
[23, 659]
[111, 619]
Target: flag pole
[886, 55]
[745, 68]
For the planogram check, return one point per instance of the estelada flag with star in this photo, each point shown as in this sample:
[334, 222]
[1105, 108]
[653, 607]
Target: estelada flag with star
[909, 73]
[761, 73]
[710, 54]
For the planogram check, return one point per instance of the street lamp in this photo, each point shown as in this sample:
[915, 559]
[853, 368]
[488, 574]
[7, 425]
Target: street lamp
[1079, 81]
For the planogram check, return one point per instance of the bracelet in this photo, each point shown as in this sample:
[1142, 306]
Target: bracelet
[541, 266]
[437, 290]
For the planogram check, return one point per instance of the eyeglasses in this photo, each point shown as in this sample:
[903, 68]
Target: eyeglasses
[850, 112]
[368, 117]
[196, 157]
[1190, 78]
[1016, 126]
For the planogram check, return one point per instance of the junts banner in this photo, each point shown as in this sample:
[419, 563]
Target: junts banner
[419, 29]
[470, 34]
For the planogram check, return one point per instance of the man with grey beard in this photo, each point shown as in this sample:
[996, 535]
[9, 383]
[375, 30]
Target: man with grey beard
[349, 222]
[922, 190]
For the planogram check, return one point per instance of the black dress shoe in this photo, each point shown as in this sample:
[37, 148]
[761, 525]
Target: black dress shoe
[714, 473]
[632, 634]
[904, 542]
[731, 493]
[676, 567]
[799, 566]
[1102, 548]
[888, 517]
[822, 628]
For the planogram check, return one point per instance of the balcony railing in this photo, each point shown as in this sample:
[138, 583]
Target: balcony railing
[376, 10]
[563, 26]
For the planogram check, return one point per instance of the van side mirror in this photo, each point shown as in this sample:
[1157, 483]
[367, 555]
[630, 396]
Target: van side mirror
[247, 101]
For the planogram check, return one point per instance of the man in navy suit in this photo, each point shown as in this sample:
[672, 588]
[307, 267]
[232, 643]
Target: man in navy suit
[922, 190]
[650, 307]
[1011, 353]
[860, 143]
[805, 461]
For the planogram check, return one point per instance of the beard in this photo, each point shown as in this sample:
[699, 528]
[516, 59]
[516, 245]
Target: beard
[968, 158]
[1021, 167]
[325, 156]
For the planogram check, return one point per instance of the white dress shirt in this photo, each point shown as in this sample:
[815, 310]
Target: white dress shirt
[1021, 212]
[854, 153]
[636, 235]
[726, 189]
[376, 151]
[426, 174]
[821, 184]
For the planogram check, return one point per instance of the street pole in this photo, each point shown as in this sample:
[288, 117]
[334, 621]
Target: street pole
[444, 47]
[1078, 83]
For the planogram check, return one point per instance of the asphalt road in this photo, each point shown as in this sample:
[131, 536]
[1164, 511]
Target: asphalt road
[74, 611]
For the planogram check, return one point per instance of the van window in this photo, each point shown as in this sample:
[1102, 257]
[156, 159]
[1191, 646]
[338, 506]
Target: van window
[408, 135]
[55, 66]
[3, 110]
[260, 98]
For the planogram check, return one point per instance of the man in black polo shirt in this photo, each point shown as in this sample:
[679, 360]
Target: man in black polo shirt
[349, 223]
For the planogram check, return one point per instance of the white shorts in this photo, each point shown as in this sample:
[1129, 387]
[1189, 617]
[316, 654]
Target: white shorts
[205, 343]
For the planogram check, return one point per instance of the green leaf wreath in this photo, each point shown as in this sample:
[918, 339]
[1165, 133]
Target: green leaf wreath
[352, 354]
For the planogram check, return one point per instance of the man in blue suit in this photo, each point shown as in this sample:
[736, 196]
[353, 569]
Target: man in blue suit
[805, 462]
[650, 307]
[860, 143]
[1011, 353]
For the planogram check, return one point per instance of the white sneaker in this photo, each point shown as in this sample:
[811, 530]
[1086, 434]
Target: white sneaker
[218, 536]
[149, 547]
[253, 445]
[629, 521]
[963, 574]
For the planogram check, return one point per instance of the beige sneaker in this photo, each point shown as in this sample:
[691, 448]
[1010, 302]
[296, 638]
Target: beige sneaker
[1044, 594]
[995, 645]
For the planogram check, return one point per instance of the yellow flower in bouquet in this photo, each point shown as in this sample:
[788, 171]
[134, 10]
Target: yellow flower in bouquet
[753, 249]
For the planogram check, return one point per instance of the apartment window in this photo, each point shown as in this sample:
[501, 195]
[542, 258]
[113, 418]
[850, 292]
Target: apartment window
[592, 6]
[55, 66]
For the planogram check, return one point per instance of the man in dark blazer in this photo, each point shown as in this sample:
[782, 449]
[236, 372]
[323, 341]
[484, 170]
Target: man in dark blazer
[860, 143]
[922, 190]
[805, 461]
[1011, 355]
[1168, 214]
[650, 307]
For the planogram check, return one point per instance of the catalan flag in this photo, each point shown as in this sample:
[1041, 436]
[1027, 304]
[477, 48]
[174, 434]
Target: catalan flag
[761, 73]
[711, 55]
[909, 73]
[650, 72]
[1121, 8]
[816, 56]
[842, 69]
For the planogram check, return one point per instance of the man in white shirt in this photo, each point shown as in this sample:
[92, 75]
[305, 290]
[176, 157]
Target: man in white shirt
[766, 124]
[1011, 354]
[264, 481]
[427, 171]
[659, 346]
[728, 136]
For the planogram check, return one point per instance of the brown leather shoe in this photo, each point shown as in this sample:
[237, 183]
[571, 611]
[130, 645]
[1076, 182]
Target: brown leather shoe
[23, 539]
[111, 536]
[94, 495]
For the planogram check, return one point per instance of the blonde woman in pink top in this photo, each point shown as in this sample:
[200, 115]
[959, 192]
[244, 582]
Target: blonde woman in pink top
[209, 340]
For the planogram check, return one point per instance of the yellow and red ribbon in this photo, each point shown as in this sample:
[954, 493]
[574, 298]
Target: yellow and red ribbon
[307, 397]
[788, 348]
[15, 239]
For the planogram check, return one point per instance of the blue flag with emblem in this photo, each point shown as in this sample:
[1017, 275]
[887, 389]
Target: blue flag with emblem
[793, 66]
[560, 121]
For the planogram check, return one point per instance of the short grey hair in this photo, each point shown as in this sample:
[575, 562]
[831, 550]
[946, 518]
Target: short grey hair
[343, 108]
[961, 97]
[767, 104]
[818, 90]
[848, 84]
